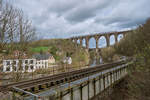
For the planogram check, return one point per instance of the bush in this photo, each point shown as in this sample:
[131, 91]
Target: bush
[107, 54]
[134, 41]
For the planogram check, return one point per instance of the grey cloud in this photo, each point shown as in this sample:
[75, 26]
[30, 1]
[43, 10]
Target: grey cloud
[61, 6]
[127, 14]
[64, 18]
[86, 10]
[131, 24]
[80, 16]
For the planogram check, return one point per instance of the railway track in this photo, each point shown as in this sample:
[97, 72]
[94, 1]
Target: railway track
[61, 78]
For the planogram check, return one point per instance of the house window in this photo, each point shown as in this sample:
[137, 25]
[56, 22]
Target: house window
[8, 63]
[31, 61]
[31, 67]
[26, 61]
[8, 69]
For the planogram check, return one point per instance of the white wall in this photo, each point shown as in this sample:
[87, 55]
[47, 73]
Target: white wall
[13, 65]
[28, 65]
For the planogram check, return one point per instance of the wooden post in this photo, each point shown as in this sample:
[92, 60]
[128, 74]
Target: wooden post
[81, 92]
[13, 95]
[35, 98]
[107, 79]
[61, 95]
[119, 73]
[108, 83]
[113, 76]
[110, 78]
[94, 86]
[104, 84]
[100, 83]
[71, 90]
[116, 75]
[88, 89]
[104, 81]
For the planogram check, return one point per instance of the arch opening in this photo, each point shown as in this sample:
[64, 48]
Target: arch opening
[102, 42]
[84, 43]
[92, 43]
[112, 40]
[120, 36]
[78, 41]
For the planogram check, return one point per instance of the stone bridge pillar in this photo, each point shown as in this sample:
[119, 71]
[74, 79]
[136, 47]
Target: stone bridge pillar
[81, 41]
[116, 37]
[87, 43]
[107, 40]
[71, 39]
[96, 39]
[75, 40]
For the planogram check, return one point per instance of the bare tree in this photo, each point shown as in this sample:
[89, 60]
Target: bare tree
[16, 31]
[14, 27]
[25, 32]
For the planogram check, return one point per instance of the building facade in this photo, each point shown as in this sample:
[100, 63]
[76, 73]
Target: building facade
[44, 60]
[67, 60]
[41, 64]
[38, 61]
[22, 65]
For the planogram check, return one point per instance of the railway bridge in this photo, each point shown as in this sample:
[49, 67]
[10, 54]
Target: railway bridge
[84, 84]
[97, 37]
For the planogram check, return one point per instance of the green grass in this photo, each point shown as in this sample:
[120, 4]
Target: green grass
[38, 49]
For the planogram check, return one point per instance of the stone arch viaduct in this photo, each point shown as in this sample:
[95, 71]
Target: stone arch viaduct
[98, 36]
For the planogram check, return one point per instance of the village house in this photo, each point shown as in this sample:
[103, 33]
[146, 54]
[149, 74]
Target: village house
[21, 65]
[67, 60]
[20, 62]
[43, 60]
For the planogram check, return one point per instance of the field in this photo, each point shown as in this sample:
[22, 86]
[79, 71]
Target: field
[39, 49]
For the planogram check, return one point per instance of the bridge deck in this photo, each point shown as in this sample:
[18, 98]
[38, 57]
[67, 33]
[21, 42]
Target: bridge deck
[62, 78]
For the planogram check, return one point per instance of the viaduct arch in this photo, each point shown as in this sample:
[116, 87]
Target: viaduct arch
[97, 37]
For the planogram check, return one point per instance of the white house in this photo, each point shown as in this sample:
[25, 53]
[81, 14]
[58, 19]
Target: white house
[43, 60]
[39, 61]
[23, 65]
[67, 60]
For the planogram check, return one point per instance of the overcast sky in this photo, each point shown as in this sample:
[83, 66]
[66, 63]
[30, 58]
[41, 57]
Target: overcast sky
[66, 18]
